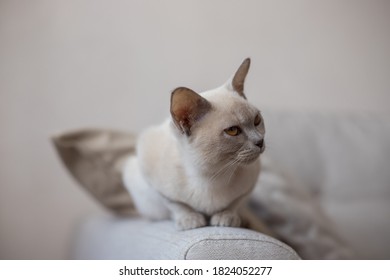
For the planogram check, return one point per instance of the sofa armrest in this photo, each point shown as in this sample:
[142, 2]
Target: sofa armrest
[137, 238]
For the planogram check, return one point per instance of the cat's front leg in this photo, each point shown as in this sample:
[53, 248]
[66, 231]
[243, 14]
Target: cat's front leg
[185, 217]
[226, 218]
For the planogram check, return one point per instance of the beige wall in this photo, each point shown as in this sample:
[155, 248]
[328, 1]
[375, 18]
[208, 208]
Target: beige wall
[71, 64]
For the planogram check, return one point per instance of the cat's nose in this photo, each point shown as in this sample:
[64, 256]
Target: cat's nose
[260, 143]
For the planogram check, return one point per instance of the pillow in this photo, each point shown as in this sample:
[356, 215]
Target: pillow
[95, 157]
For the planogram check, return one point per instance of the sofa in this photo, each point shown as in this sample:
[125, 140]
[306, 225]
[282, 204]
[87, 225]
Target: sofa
[324, 191]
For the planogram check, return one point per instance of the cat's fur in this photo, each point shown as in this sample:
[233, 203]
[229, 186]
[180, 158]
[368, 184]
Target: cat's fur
[189, 168]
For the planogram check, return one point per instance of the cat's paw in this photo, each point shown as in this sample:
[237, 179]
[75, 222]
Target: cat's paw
[190, 220]
[226, 219]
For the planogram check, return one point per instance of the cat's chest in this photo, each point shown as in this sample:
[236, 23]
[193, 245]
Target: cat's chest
[211, 195]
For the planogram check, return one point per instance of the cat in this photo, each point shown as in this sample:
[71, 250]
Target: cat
[200, 165]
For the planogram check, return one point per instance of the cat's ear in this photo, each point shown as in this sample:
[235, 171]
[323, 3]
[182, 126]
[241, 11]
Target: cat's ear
[186, 108]
[237, 82]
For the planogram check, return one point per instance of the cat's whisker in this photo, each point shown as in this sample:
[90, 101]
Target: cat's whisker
[234, 170]
[221, 171]
[234, 166]
[224, 169]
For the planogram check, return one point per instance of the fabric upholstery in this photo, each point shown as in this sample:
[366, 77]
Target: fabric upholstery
[342, 162]
[136, 238]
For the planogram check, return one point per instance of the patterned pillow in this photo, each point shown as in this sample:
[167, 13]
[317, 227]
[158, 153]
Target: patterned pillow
[94, 157]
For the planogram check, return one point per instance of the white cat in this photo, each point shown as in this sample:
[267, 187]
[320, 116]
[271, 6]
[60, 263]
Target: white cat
[198, 167]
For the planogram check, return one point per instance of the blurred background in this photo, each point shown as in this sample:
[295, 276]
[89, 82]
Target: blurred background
[77, 63]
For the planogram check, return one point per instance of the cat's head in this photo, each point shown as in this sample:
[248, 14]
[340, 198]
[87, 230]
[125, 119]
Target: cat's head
[220, 125]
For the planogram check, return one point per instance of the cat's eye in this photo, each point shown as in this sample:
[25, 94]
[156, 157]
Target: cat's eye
[257, 120]
[233, 131]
